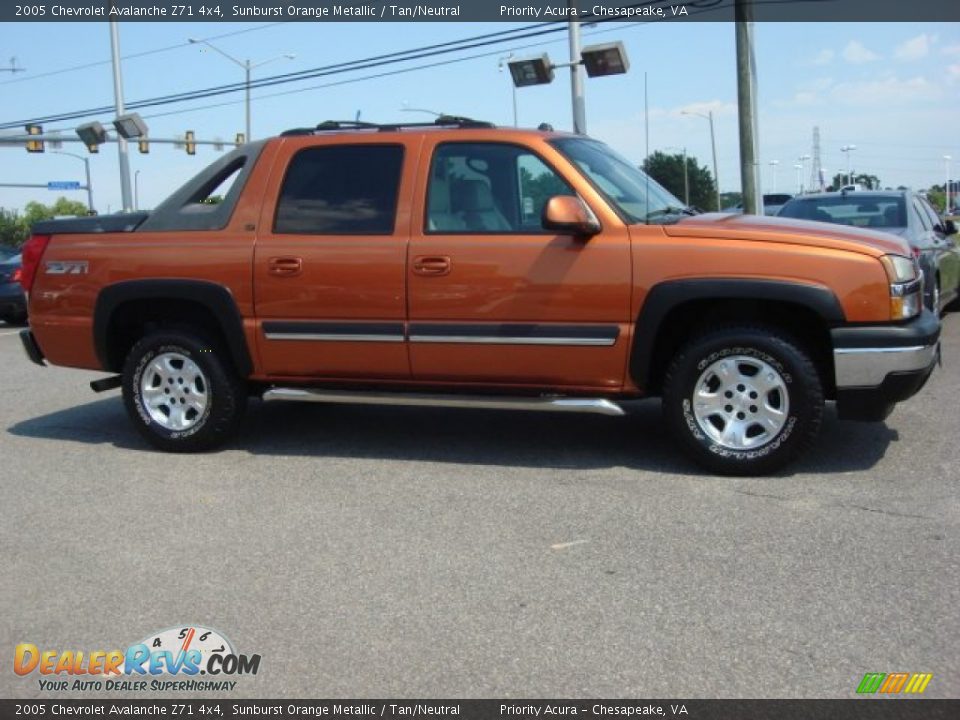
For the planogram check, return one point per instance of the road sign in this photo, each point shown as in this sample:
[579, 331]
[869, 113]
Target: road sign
[63, 185]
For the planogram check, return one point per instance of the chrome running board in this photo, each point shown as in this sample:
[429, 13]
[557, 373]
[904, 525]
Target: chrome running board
[598, 406]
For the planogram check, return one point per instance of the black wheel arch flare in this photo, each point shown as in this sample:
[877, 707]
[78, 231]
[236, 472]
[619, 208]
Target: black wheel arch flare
[214, 297]
[669, 295]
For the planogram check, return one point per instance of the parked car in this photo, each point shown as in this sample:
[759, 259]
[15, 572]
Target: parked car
[459, 264]
[772, 202]
[13, 303]
[932, 239]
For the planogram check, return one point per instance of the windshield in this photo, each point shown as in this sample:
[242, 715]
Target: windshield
[635, 195]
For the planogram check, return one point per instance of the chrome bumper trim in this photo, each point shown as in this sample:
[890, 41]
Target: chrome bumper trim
[867, 367]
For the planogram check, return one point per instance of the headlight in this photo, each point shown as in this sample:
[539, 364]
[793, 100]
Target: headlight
[906, 286]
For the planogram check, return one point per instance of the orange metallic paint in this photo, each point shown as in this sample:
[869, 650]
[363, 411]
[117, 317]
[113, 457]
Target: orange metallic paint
[536, 278]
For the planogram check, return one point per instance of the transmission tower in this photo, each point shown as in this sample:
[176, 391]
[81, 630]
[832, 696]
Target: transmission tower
[816, 169]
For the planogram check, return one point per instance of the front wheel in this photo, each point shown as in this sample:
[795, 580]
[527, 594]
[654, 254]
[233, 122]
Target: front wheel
[744, 400]
[181, 391]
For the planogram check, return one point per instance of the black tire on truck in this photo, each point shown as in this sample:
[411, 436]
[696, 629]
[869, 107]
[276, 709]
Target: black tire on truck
[743, 399]
[181, 391]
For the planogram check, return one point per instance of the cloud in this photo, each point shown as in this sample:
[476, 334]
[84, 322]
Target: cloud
[855, 52]
[824, 57]
[953, 73]
[885, 92]
[950, 50]
[915, 48]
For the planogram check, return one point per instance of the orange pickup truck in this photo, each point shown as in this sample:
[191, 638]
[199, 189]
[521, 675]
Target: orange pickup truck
[458, 264]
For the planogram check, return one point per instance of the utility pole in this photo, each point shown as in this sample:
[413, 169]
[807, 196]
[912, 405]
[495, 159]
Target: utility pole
[576, 77]
[747, 109]
[125, 193]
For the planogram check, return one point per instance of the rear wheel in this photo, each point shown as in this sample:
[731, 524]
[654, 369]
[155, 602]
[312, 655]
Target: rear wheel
[744, 400]
[181, 391]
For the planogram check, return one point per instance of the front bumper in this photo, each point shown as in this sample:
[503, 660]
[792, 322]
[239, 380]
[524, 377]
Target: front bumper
[878, 366]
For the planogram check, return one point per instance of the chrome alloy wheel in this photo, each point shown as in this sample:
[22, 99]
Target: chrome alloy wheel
[741, 402]
[175, 391]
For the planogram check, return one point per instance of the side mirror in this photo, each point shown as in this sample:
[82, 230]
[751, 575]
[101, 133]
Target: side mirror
[949, 227]
[569, 215]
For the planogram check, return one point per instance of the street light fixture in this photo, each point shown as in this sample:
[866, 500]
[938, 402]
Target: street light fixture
[86, 167]
[713, 145]
[92, 134]
[599, 60]
[247, 66]
[848, 149]
[130, 126]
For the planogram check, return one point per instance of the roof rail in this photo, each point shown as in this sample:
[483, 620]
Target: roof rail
[335, 125]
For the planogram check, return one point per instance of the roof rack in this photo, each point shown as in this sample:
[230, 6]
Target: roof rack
[340, 125]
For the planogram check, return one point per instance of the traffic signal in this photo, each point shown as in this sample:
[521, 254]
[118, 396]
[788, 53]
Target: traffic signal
[240, 139]
[189, 144]
[143, 145]
[34, 146]
[93, 148]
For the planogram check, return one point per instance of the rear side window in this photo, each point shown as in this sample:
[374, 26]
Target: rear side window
[341, 190]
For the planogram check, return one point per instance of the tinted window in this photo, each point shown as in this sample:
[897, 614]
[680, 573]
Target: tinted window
[489, 187]
[341, 190]
[855, 209]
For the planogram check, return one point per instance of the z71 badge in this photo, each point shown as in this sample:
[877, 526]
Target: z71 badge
[67, 267]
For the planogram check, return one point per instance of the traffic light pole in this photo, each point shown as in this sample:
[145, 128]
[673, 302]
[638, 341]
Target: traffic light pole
[125, 192]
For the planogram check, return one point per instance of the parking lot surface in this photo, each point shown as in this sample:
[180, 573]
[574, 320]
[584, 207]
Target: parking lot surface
[392, 552]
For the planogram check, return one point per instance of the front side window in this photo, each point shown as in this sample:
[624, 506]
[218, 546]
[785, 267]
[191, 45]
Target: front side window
[341, 190]
[489, 188]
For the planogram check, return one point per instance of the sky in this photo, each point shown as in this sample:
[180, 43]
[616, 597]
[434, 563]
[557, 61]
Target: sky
[891, 89]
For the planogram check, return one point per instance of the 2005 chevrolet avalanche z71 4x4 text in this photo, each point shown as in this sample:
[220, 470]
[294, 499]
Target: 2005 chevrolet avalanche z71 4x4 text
[462, 264]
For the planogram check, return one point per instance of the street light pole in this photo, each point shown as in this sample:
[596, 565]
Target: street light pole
[848, 149]
[713, 146]
[576, 77]
[136, 190]
[122, 154]
[946, 187]
[802, 159]
[773, 164]
[513, 87]
[247, 66]
[86, 167]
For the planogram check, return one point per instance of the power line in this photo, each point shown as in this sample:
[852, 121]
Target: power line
[155, 51]
[363, 64]
[375, 76]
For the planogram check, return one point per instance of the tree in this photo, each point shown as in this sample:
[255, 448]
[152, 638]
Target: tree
[668, 171]
[870, 182]
[13, 228]
[36, 211]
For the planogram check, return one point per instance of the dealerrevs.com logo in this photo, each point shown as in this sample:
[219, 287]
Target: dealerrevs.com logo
[171, 659]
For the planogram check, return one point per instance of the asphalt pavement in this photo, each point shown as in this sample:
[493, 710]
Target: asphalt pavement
[393, 552]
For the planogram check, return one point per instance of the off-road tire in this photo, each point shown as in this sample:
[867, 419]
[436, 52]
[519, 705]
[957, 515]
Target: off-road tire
[212, 377]
[798, 392]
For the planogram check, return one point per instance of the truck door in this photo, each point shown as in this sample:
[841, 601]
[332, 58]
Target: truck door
[329, 267]
[495, 298]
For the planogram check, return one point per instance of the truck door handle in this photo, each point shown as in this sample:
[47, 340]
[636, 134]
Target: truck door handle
[431, 265]
[285, 266]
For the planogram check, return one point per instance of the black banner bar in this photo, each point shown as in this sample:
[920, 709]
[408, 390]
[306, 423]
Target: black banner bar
[475, 10]
[873, 708]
